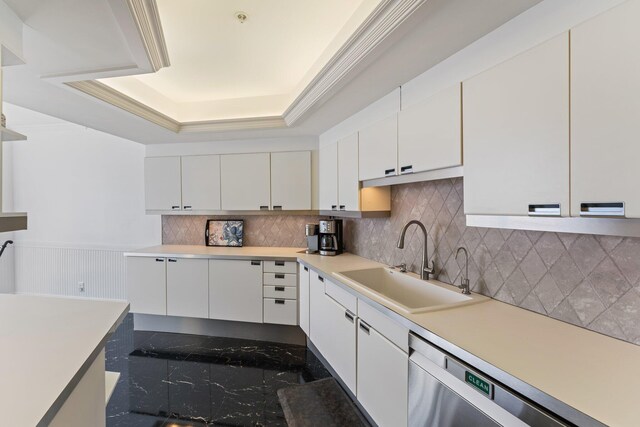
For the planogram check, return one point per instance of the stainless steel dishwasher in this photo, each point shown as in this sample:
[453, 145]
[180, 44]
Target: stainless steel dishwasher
[444, 392]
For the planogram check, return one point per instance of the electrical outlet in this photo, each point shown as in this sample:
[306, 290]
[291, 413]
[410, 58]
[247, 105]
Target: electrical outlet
[81, 286]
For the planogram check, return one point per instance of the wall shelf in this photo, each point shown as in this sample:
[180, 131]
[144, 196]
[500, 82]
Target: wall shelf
[13, 221]
[9, 135]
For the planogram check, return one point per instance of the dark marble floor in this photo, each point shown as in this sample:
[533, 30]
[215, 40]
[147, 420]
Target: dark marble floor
[189, 380]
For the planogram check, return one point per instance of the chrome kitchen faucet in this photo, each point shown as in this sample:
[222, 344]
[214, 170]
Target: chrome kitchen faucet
[425, 270]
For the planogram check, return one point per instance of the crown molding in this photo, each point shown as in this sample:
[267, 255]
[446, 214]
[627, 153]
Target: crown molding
[380, 24]
[385, 19]
[147, 19]
[120, 100]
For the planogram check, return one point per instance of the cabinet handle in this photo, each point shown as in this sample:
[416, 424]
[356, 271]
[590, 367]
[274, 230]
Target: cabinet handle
[279, 301]
[159, 259]
[406, 169]
[342, 207]
[350, 316]
[365, 327]
[172, 260]
[187, 207]
[306, 268]
[602, 209]
[255, 262]
[279, 289]
[552, 209]
[320, 278]
[389, 172]
[175, 208]
[334, 207]
[279, 276]
[279, 263]
[277, 208]
[264, 208]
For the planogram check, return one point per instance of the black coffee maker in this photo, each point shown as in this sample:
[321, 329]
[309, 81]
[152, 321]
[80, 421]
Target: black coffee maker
[331, 237]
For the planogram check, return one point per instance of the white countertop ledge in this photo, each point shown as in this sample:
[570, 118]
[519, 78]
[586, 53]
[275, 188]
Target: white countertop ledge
[46, 345]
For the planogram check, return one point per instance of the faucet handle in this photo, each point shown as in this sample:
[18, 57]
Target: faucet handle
[430, 270]
[464, 285]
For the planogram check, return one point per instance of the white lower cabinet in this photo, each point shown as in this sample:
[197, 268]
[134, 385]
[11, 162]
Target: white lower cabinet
[280, 311]
[303, 298]
[188, 287]
[147, 285]
[383, 373]
[235, 290]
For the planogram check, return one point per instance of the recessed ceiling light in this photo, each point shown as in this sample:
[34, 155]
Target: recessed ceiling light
[241, 17]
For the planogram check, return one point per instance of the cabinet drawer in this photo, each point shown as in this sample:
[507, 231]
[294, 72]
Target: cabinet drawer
[286, 292]
[394, 332]
[280, 311]
[280, 279]
[280, 267]
[347, 300]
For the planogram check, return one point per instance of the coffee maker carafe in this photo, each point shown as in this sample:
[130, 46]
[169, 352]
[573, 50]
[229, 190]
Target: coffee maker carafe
[331, 237]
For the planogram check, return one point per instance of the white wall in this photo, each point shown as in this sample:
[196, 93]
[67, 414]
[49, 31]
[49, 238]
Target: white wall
[84, 194]
[534, 26]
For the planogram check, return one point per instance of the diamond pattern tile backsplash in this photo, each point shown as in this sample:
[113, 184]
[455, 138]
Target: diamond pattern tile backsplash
[589, 281]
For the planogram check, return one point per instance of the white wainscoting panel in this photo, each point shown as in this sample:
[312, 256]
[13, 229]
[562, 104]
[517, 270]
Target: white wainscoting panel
[44, 269]
[7, 278]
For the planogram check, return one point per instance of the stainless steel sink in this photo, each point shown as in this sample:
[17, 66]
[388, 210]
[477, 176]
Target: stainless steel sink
[406, 291]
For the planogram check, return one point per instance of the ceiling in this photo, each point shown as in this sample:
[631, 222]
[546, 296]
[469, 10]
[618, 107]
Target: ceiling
[224, 69]
[63, 49]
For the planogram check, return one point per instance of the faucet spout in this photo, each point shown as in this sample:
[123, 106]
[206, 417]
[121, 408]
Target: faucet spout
[4, 246]
[425, 270]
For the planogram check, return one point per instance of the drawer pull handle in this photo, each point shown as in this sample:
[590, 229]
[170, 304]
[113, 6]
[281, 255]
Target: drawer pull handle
[279, 276]
[187, 207]
[159, 259]
[255, 262]
[279, 288]
[306, 268]
[334, 207]
[279, 263]
[172, 260]
[343, 207]
[277, 208]
[350, 316]
[552, 209]
[602, 209]
[279, 301]
[389, 172]
[406, 169]
[365, 327]
[264, 208]
[175, 208]
[320, 278]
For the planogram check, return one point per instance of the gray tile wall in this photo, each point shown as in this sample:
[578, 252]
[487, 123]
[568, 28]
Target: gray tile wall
[589, 281]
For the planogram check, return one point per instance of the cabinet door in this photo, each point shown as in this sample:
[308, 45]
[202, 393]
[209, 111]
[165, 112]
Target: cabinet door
[291, 180]
[235, 290]
[188, 287]
[328, 174]
[348, 183]
[316, 301]
[201, 183]
[378, 153]
[246, 181]
[430, 133]
[516, 133]
[383, 375]
[147, 285]
[605, 100]
[303, 299]
[162, 183]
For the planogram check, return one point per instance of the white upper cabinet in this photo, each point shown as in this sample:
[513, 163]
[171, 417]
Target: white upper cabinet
[201, 183]
[378, 152]
[291, 180]
[430, 133]
[516, 133]
[348, 184]
[162, 183]
[246, 181]
[328, 177]
[605, 100]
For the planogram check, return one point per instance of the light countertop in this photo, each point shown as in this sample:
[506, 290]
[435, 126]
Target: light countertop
[213, 252]
[592, 373]
[46, 344]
